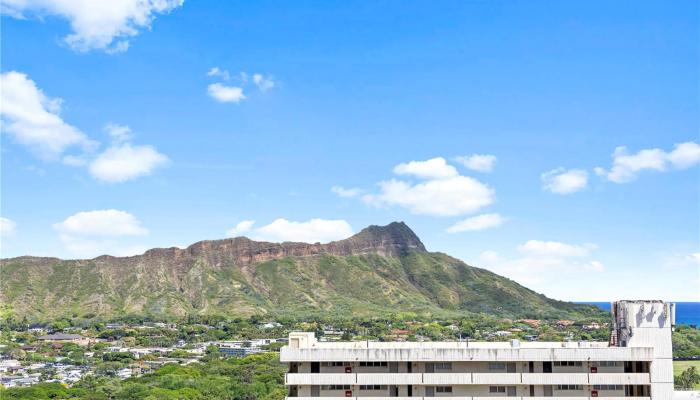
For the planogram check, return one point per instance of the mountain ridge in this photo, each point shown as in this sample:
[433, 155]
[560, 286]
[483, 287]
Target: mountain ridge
[380, 269]
[394, 238]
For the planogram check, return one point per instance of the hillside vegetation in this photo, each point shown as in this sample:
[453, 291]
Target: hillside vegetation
[379, 270]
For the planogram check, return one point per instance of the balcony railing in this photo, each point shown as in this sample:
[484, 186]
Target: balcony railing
[389, 379]
[471, 398]
[426, 353]
[468, 378]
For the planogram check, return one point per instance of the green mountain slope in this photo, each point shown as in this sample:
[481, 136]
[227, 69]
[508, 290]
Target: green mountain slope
[379, 270]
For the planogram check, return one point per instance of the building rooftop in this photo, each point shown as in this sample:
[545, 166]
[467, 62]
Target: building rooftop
[313, 344]
[61, 336]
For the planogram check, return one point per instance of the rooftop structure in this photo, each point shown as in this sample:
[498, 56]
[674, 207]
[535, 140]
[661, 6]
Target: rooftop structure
[66, 337]
[636, 363]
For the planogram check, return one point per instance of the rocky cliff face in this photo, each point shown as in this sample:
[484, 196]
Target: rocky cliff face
[374, 271]
[392, 240]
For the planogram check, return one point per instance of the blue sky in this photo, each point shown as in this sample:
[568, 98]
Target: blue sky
[118, 136]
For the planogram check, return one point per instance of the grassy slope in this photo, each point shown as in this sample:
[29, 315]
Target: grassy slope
[428, 283]
[680, 366]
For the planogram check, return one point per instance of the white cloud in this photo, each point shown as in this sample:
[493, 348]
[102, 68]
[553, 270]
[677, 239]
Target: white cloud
[627, 166]
[544, 264]
[435, 168]
[595, 266]
[220, 73]
[225, 94]
[32, 119]
[685, 155]
[92, 247]
[311, 231]
[563, 181]
[8, 227]
[346, 192]
[119, 133]
[92, 233]
[263, 83]
[443, 191]
[683, 260]
[101, 223]
[454, 196]
[555, 249]
[235, 94]
[96, 24]
[240, 228]
[489, 257]
[118, 47]
[478, 162]
[123, 162]
[478, 223]
[537, 273]
[694, 258]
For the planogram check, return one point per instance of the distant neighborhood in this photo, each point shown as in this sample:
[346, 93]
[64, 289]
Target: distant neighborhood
[67, 354]
[41, 356]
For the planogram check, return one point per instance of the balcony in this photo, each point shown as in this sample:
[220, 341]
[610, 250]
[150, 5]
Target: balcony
[389, 379]
[467, 378]
[555, 379]
[470, 398]
[490, 378]
[320, 379]
[447, 379]
[619, 379]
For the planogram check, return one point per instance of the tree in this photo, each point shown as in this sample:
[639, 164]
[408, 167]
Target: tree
[60, 324]
[118, 356]
[212, 353]
[687, 379]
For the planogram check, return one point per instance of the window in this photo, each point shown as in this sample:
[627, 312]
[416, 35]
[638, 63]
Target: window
[497, 389]
[372, 387]
[607, 387]
[497, 366]
[373, 364]
[609, 364]
[335, 387]
[568, 363]
[443, 366]
[569, 387]
[443, 389]
[334, 364]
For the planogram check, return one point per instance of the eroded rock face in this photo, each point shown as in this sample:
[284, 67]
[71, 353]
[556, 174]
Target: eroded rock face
[380, 268]
[392, 240]
[189, 277]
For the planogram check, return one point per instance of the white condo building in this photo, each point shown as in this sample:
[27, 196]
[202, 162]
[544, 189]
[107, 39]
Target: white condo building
[636, 363]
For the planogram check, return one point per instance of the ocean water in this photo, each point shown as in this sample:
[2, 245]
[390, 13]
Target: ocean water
[687, 313]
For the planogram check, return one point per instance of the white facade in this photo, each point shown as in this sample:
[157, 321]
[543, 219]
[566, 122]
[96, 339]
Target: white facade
[637, 363]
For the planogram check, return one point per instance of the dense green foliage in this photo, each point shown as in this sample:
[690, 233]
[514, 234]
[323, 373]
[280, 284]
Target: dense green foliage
[256, 377]
[688, 379]
[685, 373]
[686, 341]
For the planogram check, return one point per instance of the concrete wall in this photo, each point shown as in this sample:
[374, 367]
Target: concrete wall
[649, 324]
[463, 391]
[289, 354]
